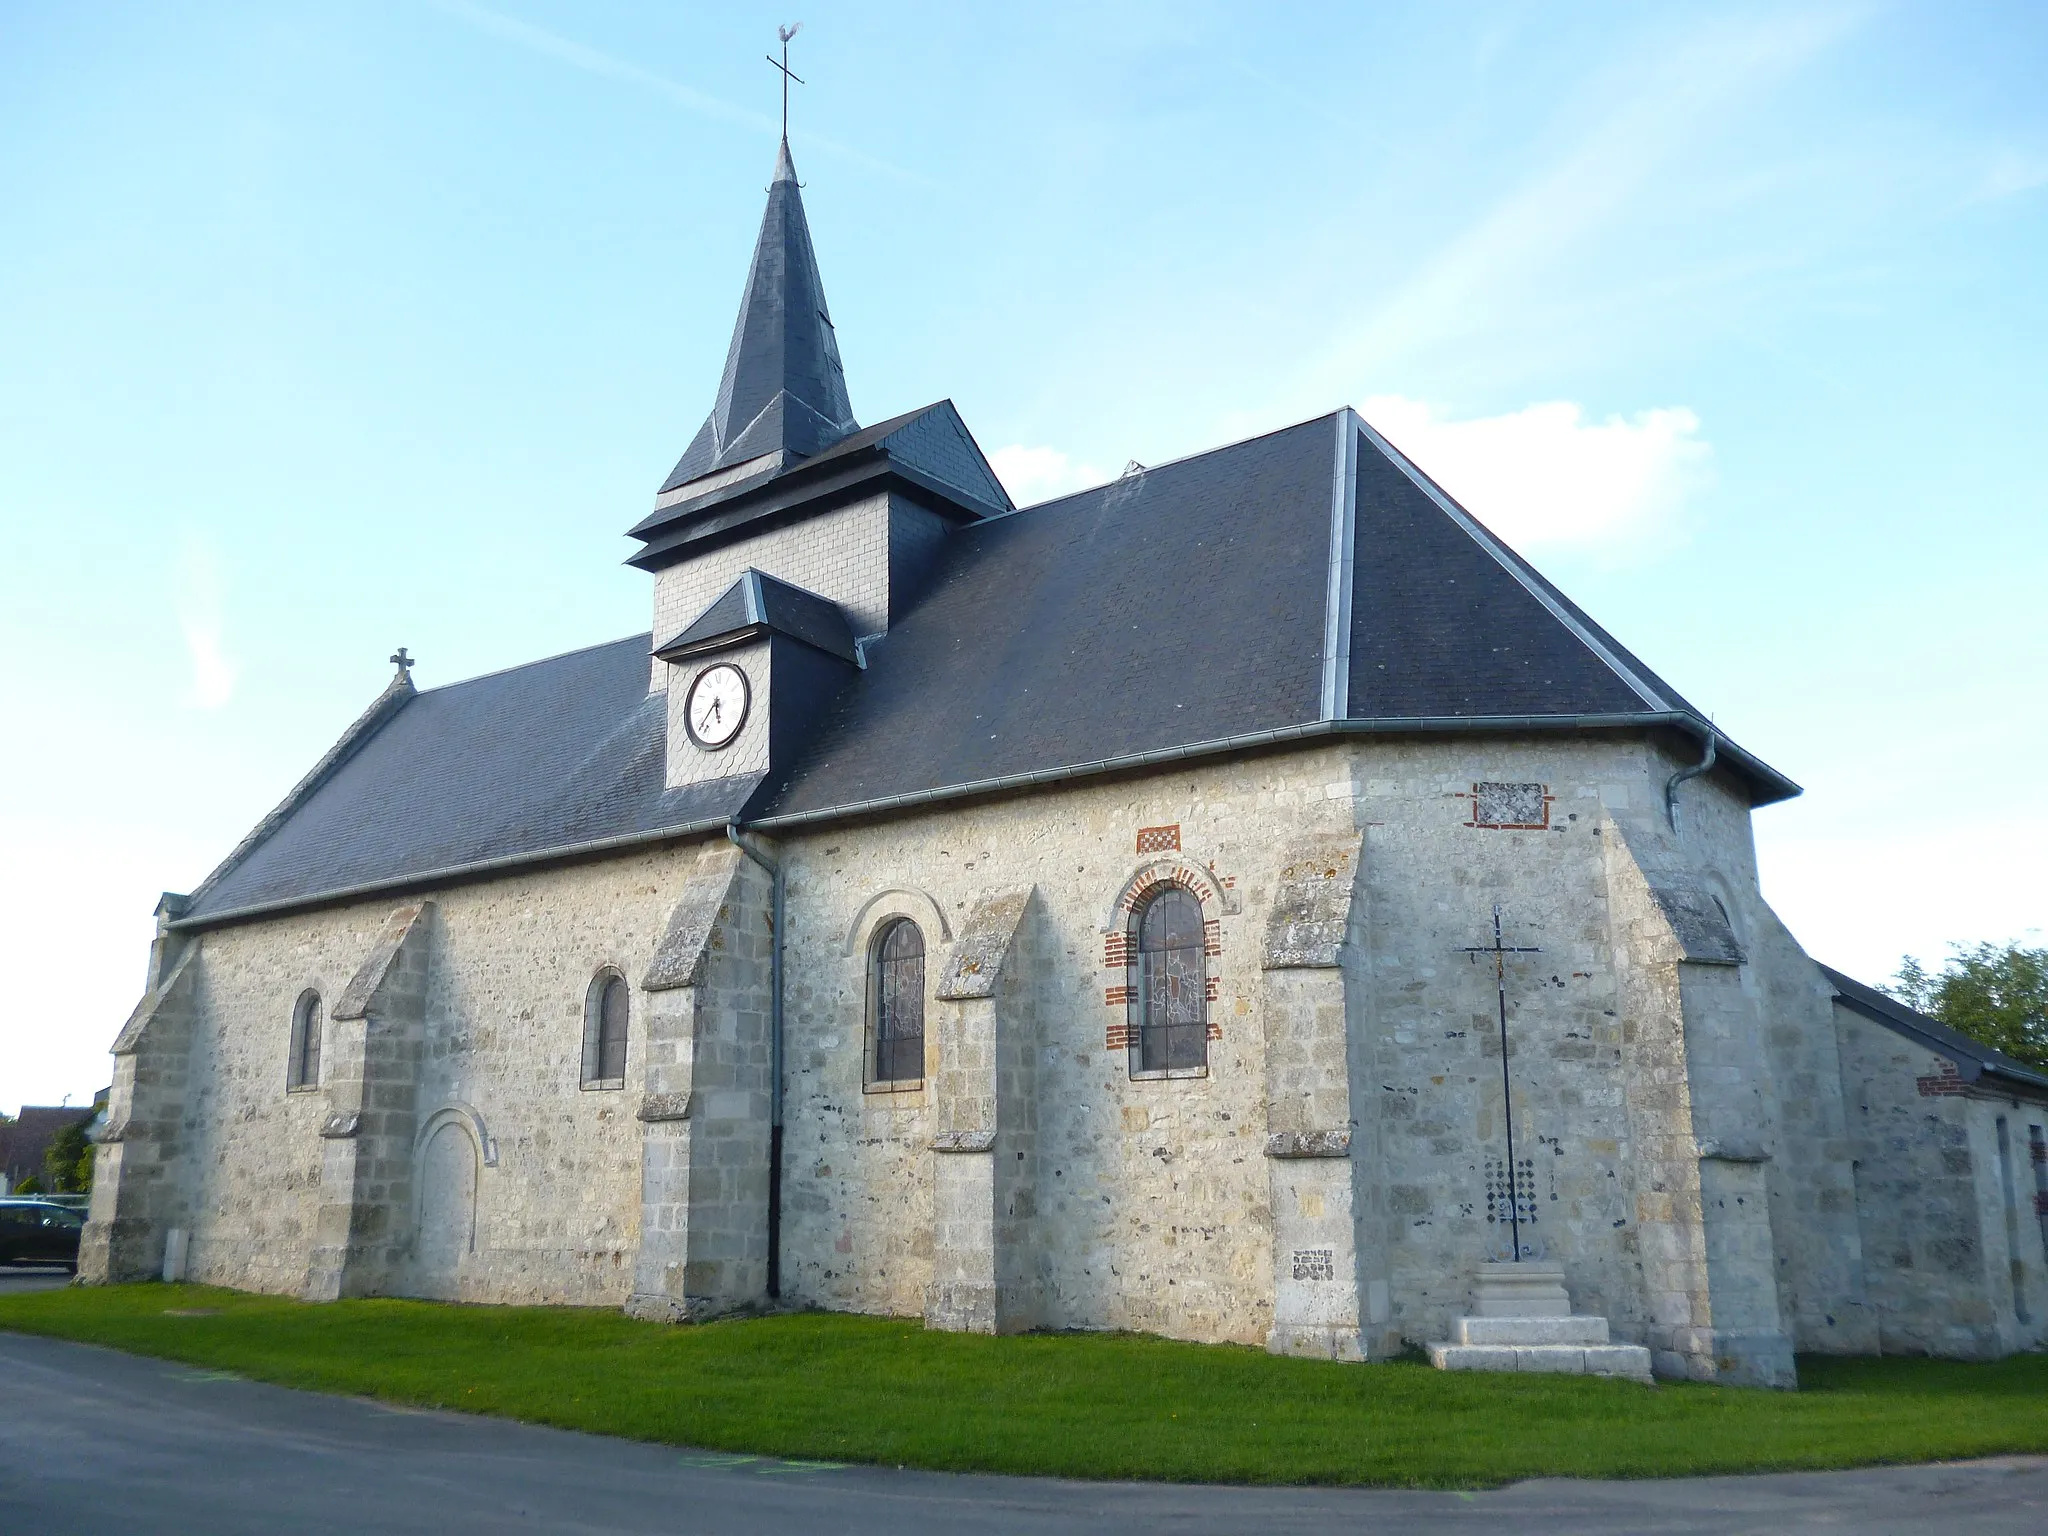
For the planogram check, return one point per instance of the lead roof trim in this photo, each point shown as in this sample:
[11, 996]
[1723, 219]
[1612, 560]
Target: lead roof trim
[1336, 697]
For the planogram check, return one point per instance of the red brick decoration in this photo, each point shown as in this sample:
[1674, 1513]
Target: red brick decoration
[1945, 1081]
[1116, 950]
[1159, 839]
[1117, 997]
[1117, 1037]
[1510, 807]
[1212, 936]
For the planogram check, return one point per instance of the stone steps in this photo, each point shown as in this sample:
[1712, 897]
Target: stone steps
[1630, 1361]
[1523, 1322]
[1530, 1331]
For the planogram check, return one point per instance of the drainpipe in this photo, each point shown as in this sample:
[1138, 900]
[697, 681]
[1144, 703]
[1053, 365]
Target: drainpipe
[1678, 778]
[752, 850]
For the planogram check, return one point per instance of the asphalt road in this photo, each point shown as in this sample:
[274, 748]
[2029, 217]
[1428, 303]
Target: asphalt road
[42, 1277]
[91, 1441]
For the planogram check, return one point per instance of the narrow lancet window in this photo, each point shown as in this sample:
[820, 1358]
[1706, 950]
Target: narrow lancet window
[302, 1072]
[1171, 997]
[896, 1009]
[606, 1015]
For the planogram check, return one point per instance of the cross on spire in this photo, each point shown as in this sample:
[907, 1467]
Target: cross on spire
[786, 33]
[401, 660]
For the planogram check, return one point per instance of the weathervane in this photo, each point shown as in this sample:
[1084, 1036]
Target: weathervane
[1500, 953]
[786, 33]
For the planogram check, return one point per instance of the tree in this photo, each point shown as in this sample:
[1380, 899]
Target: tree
[1992, 993]
[67, 1161]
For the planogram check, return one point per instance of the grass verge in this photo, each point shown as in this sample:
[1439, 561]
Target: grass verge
[826, 1386]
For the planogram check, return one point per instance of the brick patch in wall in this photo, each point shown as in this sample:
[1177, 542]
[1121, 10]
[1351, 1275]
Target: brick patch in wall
[1944, 1081]
[1159, 839]
[1117, 997]
[1116, 950]
[1212, 935]
[1510, 807]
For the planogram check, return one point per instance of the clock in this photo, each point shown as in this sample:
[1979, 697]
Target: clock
[717, 706]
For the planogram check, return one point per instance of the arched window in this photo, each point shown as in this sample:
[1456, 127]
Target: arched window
[606, 1011]
[302, 1071]
[1171, 998]
[896, 1004]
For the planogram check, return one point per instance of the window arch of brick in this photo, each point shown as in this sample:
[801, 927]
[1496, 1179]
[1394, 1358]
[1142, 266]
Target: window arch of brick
[607, 1022]
[302, 1070]
[895, 1012]
[1167, 942]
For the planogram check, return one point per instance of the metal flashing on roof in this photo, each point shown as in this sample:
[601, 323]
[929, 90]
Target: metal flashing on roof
[1343, 547]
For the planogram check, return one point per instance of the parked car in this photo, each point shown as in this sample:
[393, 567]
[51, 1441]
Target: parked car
[39, 1232]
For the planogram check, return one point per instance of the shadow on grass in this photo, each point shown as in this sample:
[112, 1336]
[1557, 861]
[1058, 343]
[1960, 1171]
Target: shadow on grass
[834, 1387]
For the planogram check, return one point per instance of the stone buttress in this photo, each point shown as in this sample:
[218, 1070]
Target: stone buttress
[138, 1193]
[372, 1051]
[705, 1110]
[1700, 1122]
[1327, 1254]
[984, 1150]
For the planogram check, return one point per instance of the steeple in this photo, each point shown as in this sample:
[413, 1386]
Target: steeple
[783, 389]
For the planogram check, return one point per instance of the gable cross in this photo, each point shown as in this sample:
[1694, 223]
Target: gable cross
[402, 661]
[1500, 952]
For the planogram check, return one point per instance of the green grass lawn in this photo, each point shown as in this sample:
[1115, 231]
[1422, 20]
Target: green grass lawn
[824, 1386]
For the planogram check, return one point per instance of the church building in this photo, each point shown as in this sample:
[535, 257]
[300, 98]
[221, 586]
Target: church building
[1242, 902]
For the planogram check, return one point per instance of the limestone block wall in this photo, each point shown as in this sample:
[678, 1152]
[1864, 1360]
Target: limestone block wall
[1809, 1177]
[1938, 1249]
[556, 1177]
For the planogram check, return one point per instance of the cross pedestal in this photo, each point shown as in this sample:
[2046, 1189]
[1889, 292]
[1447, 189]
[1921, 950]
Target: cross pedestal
[1522, 1320]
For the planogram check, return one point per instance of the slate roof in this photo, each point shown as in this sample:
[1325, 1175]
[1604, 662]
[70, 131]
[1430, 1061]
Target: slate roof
[562, 754]
[1975, 1061]
[1174, 611]
[783, 388]
[928, 454]
[758, 604]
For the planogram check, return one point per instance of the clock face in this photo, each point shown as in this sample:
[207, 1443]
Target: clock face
[717, 706]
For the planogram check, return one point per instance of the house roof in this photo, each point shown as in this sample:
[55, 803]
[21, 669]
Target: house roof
[1306, 582]
[1975, 1061]
[783, 389]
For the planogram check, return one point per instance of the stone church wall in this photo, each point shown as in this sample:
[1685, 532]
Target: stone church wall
[1938, 1241]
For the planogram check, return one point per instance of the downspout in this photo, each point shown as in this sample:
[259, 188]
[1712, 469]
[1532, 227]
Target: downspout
[753, 851]
[1678, 778]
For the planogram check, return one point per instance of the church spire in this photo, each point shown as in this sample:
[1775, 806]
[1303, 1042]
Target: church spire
[783, 389]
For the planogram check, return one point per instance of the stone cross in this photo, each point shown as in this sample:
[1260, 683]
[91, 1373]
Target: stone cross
[1500, 952]
[401, 660]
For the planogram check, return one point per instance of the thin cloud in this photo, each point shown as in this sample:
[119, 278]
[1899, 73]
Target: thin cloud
[1546, 476]
[1035, 474]
[581, 56]
[200, 592]
[1486, 275]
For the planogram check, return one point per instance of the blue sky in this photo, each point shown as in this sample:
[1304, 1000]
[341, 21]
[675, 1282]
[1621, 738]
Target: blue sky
[334, 326]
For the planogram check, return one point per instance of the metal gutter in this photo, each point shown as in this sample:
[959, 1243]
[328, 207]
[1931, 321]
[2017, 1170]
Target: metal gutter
[1420, 725]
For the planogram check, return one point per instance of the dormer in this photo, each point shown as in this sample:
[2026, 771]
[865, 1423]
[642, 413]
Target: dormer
[781, 480]
[749, 677]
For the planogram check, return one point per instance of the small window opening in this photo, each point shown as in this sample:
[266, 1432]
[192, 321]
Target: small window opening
[1171, 998]
[896, 1007]
[302, 1073]
[606, 1016]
